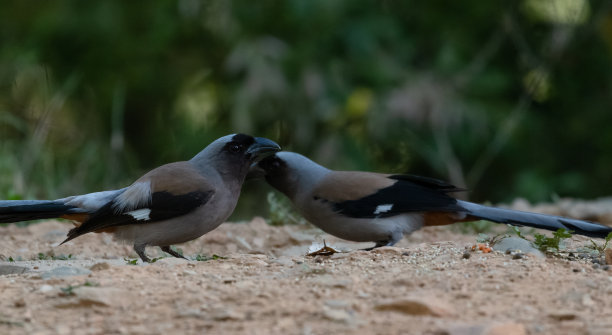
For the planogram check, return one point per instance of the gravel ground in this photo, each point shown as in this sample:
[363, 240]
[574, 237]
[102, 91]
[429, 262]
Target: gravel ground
[430, 283]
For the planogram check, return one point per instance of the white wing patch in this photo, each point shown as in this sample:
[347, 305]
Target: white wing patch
[137, 195]
[383, 209]
[140, 214]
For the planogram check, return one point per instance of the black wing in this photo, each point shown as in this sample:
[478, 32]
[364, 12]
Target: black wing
[408, 194]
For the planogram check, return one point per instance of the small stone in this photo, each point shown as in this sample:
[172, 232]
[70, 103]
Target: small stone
[518, 255]
[46, 288]
[488, 329]
[576, 270]
[596, 261]
[12, 269]
[516, 243]
[506, 329]
[563, 315]
[337, 304]
[65, 271]
[596, 266]
[466, 255]
[227, 315]
[605, 267]
[339, 315]
[189, 313]
[20, 303]
[100, 266]
[418, 306]
[587, 300]
[608, 253]
[98, 296]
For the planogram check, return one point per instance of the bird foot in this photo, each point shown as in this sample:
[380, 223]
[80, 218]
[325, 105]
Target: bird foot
[140, 250]
[169, 250]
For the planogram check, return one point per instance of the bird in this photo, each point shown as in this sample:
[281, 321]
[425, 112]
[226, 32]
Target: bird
[173, 203]
[381, 208]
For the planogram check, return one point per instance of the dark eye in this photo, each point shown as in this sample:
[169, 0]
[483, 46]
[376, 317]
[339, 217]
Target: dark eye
[235, 148]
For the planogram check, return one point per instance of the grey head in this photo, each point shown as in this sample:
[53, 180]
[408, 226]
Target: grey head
[289, 172]
[232, 155]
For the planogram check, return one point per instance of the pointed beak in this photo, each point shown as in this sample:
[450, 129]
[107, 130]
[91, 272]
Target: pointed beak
[262, 148]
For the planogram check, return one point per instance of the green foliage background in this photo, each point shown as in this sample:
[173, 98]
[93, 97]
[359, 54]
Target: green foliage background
[508, 98]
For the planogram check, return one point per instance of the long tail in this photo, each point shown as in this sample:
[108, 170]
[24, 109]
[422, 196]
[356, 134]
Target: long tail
[542, 221]
[25, 210]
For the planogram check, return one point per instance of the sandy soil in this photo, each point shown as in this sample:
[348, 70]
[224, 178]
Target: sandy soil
[264, 284]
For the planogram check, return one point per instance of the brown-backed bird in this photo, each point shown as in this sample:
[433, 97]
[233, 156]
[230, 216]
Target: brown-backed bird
[381, 208]
[173, 203]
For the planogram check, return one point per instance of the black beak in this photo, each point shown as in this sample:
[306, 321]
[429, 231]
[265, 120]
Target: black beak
[262, 148]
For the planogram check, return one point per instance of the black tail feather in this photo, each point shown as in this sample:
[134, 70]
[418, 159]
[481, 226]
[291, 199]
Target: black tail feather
[542, 221]
[26, 210]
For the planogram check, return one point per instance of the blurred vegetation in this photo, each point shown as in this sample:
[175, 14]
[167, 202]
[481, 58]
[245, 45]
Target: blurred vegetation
[508, 98]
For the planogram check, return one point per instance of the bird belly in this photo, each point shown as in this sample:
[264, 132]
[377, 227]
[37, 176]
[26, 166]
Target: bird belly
[179, 229]
[369, 229]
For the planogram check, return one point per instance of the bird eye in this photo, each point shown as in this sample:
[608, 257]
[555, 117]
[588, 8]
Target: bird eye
[236, 148]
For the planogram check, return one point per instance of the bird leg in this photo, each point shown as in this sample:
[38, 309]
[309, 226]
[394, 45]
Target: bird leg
[140, 250]
[169, 250]
[378, 245]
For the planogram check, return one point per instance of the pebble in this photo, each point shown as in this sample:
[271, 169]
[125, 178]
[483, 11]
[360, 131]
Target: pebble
[65, 271]
[227, 315]
[466, 255]
[99, 296]
[587, 300]
[100, 266]
[509, 328]
[517, 243]
[563, 315]
[339, 315]
[11, 269]
[605, 267]
[518, 255]
[425, 305]
[337, 304]
[46, 288]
